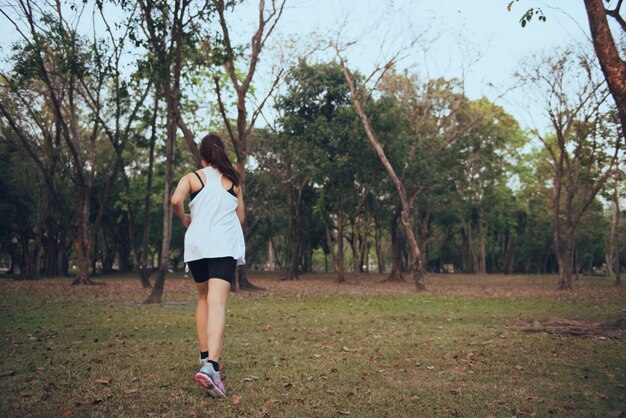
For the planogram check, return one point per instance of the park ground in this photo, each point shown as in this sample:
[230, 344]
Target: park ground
[314, 348]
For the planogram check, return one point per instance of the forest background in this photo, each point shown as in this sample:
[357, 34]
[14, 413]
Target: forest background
[363, 144]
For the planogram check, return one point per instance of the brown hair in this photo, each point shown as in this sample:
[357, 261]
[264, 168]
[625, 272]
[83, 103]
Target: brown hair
[213, 153]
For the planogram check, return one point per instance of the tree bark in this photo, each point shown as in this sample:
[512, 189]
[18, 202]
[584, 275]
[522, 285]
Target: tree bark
[396, 247]
[566, 259]
[615, 230]
[329, 243]
[613, 68]
[170, 150]
[424, 221]
[482, 264]
[339, 260]
[292, 228]
[354, 243]
[144, 270]
[380, 258]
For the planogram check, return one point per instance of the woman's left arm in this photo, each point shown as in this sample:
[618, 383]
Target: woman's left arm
[178, 199]
[241, 211]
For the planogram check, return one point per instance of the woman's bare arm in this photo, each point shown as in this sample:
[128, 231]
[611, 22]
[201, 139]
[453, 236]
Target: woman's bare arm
[241, 211]
[178, 200]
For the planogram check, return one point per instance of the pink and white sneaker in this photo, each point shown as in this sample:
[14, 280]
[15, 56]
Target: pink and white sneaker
[209, 379]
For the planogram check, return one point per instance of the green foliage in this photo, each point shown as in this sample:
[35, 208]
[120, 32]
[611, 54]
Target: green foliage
[529, 14]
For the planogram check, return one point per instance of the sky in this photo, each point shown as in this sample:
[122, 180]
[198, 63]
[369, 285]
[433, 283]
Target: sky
[479, 41]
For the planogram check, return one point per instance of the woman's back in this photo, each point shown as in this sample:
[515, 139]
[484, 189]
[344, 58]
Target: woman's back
[215, 230]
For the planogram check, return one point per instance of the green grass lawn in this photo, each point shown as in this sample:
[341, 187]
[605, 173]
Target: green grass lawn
[313, 348]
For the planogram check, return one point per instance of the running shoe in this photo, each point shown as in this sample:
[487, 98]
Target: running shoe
[209, 379]
[202, 362]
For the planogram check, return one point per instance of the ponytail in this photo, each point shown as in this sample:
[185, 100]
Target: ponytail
[213, 153]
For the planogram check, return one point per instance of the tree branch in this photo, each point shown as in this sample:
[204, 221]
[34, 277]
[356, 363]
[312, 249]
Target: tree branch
[616, 15]
[220, 104]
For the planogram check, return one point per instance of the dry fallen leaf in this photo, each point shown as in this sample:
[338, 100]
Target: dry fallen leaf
[66, 412]
[343, 412]
[235, 399]
[103, 380]
[518, 367]
[131, 391]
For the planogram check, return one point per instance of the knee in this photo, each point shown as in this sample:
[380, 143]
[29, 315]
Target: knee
[216, 302]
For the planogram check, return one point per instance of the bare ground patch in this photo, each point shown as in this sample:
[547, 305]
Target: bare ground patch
[178, 287]
[577, 328]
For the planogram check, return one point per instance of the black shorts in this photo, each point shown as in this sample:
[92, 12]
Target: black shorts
[213, 268]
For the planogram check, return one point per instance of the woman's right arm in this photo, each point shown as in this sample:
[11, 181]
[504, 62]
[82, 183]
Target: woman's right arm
[178, 199]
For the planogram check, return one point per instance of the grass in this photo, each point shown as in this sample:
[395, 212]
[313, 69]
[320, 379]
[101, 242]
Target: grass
[312, 348]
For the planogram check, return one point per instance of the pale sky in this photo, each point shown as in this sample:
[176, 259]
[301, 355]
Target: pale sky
[477, 40]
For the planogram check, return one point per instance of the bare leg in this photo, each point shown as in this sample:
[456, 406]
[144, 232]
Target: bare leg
[218, 294]
[202, 315]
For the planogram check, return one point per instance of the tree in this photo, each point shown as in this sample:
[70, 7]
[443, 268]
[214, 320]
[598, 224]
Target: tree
[168, 32]
[613, 66]
[312, 144]
[242, 138]
[358, 97]
[68, 71]
[580, 152]
[482, 157]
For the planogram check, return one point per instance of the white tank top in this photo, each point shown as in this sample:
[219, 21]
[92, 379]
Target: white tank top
[215, 230]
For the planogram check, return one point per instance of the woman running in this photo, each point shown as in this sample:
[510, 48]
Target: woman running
[214, 245]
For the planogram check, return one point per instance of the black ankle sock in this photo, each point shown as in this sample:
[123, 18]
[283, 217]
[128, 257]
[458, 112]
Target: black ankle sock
[216, 365]
[204, 355]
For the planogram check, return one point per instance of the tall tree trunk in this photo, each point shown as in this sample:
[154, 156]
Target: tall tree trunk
[472, 258]
[615, 231]
[329, 243]
[144, 269]
[482, 264]
[380, 258]
[364, 244]
[566, 259]
[354, 244]
[396, 247]
[423, 225]
[83, 245]
[613, 67]
[293, 224]
[339, 260]
[242, 282]
[301, 255]
[170, 152]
